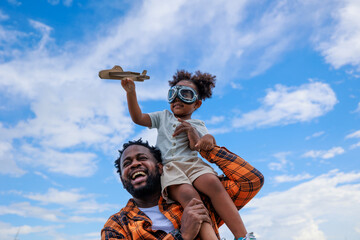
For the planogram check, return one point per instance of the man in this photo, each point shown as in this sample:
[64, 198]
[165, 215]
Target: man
[148, 216]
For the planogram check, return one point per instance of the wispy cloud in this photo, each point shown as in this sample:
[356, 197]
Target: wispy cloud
[324, 154]
[14, 2]
[356, 145]
[215, 120]
[290, 178]
[8, 231]
[281, 163]
[65, 2]
[285, 105]
[358, 108]
[25, 209]
[71, 199]
[315, 135]
[355, 134]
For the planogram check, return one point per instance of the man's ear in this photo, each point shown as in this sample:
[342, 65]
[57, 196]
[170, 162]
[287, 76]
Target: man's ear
[198, 104]
[160, 166]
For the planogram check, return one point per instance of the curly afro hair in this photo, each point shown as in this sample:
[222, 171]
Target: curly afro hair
[204, 82]
[154, 150]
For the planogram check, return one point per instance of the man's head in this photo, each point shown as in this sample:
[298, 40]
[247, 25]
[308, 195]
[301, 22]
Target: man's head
[140, 168]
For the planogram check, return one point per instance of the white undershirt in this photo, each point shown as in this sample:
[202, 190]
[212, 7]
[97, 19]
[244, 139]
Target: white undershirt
[159, 221]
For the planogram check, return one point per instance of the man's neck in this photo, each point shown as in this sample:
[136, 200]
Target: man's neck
[147, 201]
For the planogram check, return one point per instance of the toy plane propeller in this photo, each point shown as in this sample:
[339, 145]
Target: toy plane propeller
[118, 73]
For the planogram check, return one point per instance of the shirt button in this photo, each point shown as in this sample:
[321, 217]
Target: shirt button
[174, 144]
[174, 125]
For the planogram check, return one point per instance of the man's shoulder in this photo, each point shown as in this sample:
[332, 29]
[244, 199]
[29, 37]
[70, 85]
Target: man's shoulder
[125, 212]
[119, 216]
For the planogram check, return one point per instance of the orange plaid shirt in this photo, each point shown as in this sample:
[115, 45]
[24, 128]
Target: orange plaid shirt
[242, 181]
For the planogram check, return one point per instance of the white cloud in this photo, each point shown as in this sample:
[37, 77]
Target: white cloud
[14, 2]
[355, 134]
[356, 145]
[285, 105]
[289, 178]
[58, 197]
[220, 130]
[7, 162]
[324, 154]
[215, 120]
[346, 32]
[315, 135]
[78, 219]
[315, 209]
[53, 2]
[71, 199]
[77, 164]
[281, 162]
[358, 108]
[45, 33]
[25, 209]
[7, 231]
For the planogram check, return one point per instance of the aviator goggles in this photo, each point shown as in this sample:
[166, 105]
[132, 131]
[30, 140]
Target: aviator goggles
[184, 93]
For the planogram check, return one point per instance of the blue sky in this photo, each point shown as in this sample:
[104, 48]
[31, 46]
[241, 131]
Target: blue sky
[286, 100]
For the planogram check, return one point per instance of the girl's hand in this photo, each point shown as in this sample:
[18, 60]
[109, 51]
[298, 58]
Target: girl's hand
[190, 131]
[184, 127]
[128, 85]
[206, 143]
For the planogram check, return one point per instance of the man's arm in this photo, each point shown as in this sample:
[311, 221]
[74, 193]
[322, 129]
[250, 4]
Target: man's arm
[242, 180]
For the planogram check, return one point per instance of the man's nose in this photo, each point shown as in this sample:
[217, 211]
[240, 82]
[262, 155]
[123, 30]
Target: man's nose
[135, 163]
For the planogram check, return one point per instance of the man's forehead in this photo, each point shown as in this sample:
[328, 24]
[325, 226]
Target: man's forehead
[134, 150]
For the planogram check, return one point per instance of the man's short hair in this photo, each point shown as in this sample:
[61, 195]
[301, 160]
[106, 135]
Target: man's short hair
[154, 151]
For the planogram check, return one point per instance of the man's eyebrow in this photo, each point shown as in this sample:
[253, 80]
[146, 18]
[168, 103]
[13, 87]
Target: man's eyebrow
[137, 155]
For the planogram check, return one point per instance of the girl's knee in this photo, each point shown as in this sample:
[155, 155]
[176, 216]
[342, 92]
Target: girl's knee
[183, 193]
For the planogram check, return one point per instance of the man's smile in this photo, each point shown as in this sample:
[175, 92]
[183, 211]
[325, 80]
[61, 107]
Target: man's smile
[138, 176]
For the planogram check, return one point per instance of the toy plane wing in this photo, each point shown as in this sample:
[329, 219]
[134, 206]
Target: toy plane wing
[118, 73]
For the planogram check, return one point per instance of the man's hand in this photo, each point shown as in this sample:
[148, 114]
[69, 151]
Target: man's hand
[206, 143]
[195, 213]
[128, 85]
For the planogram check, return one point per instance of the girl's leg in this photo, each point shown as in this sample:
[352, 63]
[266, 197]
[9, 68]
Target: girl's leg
[183, 193]
[222, 203]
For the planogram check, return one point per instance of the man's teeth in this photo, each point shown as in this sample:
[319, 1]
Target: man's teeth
[138, 174]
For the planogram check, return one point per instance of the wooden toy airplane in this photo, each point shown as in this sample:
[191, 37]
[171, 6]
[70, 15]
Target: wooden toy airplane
[118, 73]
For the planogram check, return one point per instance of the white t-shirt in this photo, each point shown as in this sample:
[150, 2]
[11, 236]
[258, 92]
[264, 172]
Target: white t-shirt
[159, 221]
[174, 148]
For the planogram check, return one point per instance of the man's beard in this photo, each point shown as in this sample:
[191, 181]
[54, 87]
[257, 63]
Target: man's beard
[152, 185]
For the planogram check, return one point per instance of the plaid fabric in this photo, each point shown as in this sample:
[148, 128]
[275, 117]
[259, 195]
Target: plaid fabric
[242, 181]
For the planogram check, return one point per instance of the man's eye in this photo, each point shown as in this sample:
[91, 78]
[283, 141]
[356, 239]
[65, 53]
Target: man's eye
[142, 158]
[126, 163]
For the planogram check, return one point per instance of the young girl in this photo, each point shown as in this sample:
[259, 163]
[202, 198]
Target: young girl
[179, 137]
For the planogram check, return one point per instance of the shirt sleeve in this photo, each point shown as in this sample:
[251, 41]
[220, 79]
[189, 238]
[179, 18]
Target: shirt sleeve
[242, 181]
[200, 127]
[155, 119]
